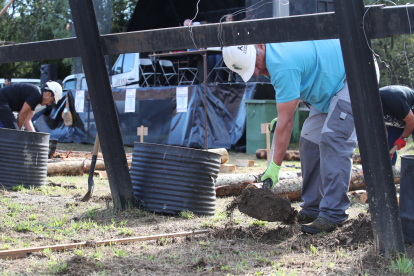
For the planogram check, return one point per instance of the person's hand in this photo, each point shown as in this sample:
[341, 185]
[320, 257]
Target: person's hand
[400, 143]
[392, 156]
[272, 172]
[272, 125]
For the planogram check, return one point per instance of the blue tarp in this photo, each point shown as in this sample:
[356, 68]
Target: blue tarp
[156, 109]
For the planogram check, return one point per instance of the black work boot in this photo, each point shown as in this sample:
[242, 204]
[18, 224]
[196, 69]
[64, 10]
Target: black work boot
[304, 218]
[320, 224]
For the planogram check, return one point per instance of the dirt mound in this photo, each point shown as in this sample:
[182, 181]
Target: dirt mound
[264, 205]
[353, 233]
[258, 233]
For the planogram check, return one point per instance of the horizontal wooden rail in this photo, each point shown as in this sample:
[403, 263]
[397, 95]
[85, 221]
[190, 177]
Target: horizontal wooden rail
[381, 22]
[21, 253]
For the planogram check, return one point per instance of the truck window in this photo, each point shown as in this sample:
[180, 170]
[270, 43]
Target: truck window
[128, 65]
[84, 85]
[118, 65]
[71, 84]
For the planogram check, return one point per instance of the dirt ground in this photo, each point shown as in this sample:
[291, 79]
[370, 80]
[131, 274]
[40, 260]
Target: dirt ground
[239, 245]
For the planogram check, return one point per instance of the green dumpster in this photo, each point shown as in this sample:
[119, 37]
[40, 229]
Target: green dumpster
[261, 112]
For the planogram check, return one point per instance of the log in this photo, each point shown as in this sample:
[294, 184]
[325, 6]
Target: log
[244, 163]
[233, 184]
[289, 186]
[360, 194]
[79, 154]
[224, 168]
[21, 253]
[224, 154]
[74, 167]
[293, 155]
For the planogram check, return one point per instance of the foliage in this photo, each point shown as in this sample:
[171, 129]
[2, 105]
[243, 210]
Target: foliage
[34, 20]
[394, 53]
[38, 20]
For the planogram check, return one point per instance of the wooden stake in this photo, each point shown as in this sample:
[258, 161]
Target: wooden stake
[21, 253]
[268, 142]
[142, 131]
[265, 129]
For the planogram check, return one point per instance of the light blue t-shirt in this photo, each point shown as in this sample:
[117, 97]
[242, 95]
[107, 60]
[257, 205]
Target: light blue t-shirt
[311, 71]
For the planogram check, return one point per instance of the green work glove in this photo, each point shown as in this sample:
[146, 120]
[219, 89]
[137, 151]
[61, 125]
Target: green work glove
[272, 125]
[272, 172]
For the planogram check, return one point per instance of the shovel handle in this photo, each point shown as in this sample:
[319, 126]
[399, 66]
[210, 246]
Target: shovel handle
[394, 149]
[96, 146]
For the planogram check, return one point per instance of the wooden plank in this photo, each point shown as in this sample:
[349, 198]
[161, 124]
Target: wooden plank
[244, 163]
[20, 253]
[227, 168]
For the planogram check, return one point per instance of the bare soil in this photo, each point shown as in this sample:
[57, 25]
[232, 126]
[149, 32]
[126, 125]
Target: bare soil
[236, 244]
[263, 204]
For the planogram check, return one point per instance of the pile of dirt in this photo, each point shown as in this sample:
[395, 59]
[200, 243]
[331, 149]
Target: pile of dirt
[352, 234]
[264, 205]
[263, 234]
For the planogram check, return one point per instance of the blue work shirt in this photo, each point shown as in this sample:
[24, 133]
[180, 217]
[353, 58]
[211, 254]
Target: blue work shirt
[311, 71]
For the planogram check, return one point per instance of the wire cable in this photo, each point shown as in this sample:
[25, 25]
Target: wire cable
[366, 38]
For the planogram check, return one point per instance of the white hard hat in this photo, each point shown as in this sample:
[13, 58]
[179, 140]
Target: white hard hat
[240, 59]
[54, 87]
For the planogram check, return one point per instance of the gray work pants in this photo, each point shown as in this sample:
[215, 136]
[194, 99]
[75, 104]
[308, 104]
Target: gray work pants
[326, 145]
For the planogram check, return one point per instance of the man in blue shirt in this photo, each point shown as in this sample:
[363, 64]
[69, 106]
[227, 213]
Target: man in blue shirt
[311, 71]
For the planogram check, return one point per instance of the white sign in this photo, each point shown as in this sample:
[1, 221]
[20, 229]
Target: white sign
[130, 100]
[80, 101]
[182, 99]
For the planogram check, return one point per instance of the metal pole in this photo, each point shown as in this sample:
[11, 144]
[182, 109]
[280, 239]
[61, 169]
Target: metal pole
[205, 97]
[369, 123]
[102, 102]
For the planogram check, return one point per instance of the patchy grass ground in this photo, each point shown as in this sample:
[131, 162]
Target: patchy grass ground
[241, 245]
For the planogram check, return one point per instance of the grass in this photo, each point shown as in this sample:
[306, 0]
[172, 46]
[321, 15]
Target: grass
[55, 215]
[402, 265]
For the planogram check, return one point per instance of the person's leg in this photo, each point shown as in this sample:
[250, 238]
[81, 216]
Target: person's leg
[310, 162]
[6, 117]
[393, 134]
[338, 143]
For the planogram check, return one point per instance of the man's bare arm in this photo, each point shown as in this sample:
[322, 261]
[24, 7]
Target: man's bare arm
[23, 114]
[28, 122]
[281, 138]
[409, 125]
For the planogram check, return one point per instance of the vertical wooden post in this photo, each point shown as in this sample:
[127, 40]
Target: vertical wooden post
[369, 124]
[142, 134]
[102, 101]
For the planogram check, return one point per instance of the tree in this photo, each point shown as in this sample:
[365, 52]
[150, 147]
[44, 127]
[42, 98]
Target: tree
[396, 59]
[34, 20]
[121, 14]
[37, 20]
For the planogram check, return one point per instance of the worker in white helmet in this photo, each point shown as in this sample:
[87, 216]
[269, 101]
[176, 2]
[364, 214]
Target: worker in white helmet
[311, 71]
[23, 98]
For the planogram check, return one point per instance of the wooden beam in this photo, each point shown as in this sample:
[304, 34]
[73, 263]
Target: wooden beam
[21, 253]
